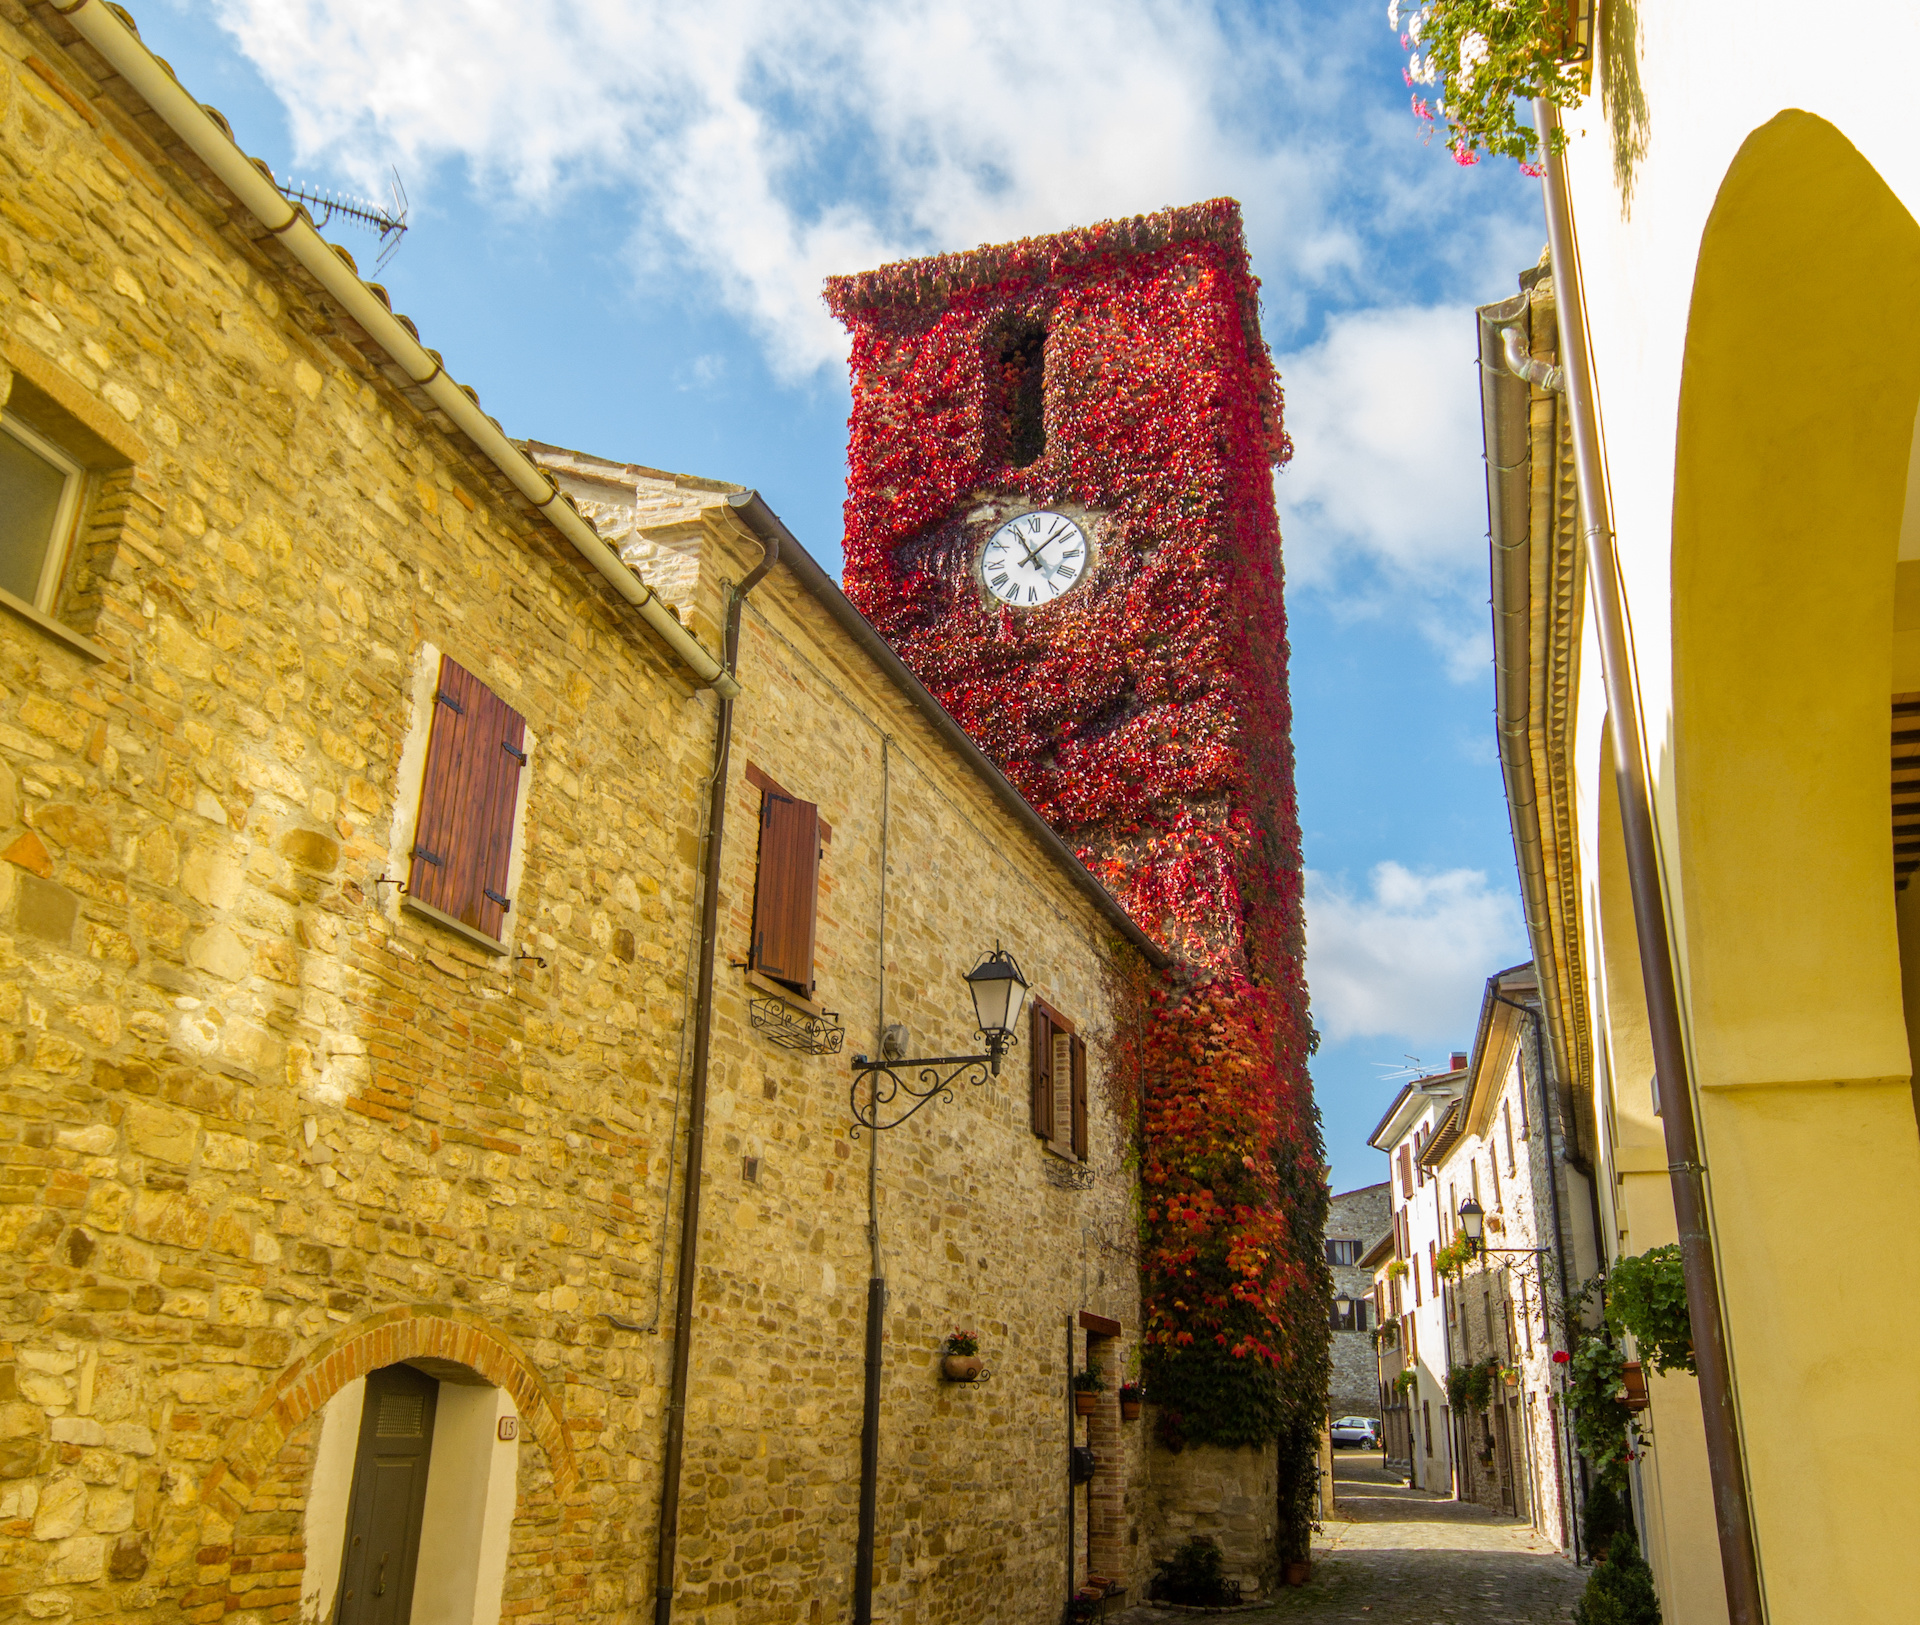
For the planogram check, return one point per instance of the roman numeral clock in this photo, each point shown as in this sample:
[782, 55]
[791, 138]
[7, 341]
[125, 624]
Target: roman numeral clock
[1035, 558]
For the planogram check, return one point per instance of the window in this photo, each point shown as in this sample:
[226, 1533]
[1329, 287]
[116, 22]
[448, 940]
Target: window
[1059, 1093]
[40, 490]
[786, 890]
[1493, 1167]
[1506, 1118]
[1426, 1418]
[1344, 1252]
[1406, 1174]
[470, 805]
[1018, 357]
[1433, 1269]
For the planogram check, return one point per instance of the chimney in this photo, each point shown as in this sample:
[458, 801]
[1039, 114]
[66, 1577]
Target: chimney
[1459, 1060]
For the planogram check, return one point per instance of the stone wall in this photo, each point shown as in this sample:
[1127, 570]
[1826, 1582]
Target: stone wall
[1231, 1496]
[1362, 1216]
[266, 1130]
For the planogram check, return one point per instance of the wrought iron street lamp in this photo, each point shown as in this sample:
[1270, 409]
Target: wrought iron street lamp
[1473, 1225]
[886, 1092]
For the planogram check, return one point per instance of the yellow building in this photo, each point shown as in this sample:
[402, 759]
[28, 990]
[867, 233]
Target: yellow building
[1709, 665]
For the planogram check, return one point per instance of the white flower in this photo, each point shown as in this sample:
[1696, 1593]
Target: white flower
[1413, 26]
[1393, 15]
[1473, 51]
[1420, 68]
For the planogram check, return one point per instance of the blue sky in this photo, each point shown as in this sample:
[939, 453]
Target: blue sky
[623, 209]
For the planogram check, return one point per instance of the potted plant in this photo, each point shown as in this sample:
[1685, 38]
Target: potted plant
[1510, 1375]
[1088, 1386]
[961, 1361]
[1129, 1401]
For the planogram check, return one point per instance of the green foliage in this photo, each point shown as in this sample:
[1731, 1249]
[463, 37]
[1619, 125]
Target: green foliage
[1298, 1460]
[1647, 1296]
[1481, 57]
[1089, 1381]
[1471, 1385]
[1453, 1258]
[1397, 1269]
[1599, 1419]
[1404, 1382]
[1606, 1515]
[963, 1342]
[1194, 1575]
[1620, 1590]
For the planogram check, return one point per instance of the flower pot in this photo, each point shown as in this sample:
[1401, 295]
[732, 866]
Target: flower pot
[1085, 1403]
[961, 1367]
[1129, 1410]
[1633, 1377]
[1512, 1378]
[1297, 1573]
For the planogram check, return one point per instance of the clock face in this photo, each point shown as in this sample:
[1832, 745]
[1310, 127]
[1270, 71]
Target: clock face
[1034, 559]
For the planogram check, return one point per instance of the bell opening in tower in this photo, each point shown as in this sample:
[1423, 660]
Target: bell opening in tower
[1019, 350]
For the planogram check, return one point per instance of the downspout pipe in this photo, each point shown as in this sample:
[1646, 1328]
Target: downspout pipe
[685, 1276]
[107, 29]
[1726, 1465]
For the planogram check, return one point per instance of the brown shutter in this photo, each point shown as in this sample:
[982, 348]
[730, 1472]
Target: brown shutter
[1406, 1174]
[1080, 1098]
[786, 892]
[1042, 1036]
[463, 839]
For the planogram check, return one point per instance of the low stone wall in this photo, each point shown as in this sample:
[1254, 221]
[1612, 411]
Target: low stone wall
[1231, 1495]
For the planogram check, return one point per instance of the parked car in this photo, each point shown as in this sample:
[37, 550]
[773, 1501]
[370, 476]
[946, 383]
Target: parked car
[1363, 1431]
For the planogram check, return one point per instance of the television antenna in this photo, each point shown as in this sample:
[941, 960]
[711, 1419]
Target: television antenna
[389, 221]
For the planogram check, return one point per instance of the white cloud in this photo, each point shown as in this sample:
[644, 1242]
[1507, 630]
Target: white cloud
[1385, 417]
[1409, 956]
[770, 144]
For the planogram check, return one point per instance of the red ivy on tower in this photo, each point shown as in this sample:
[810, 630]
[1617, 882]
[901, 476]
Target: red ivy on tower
[1118, 374]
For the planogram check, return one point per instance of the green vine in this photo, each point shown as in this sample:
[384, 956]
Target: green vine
[1472, 1385]
[1599, 1419]
[1481, 58]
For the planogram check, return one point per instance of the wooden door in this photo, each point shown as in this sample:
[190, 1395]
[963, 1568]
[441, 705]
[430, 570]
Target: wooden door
[389, 1495]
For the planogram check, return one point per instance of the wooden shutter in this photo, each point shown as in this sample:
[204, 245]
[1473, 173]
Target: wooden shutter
[786, 892]
[1079, 1072]
[1406, 1174]
[463, 840]
[1042, 1036]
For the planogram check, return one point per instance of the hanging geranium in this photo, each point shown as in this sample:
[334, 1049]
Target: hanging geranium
[1470, 62]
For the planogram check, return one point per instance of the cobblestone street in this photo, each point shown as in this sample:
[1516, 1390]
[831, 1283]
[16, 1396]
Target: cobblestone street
[1395, 1556]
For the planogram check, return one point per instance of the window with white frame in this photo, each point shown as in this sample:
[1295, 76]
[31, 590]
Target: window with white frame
[40, 492]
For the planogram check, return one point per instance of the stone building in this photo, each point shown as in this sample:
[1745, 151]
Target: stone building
[352, 800]
[1518, 1155]
[1356, 1220]
[1415, 1351]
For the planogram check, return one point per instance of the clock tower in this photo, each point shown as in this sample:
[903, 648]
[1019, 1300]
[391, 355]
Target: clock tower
[1060, 512]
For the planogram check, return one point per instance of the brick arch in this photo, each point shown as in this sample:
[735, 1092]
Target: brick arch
[383, 1339]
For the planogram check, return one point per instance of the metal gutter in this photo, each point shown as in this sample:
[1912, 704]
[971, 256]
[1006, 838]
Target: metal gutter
[1673, 1065]
[110, 31]
[1505, 403]
[765, 523]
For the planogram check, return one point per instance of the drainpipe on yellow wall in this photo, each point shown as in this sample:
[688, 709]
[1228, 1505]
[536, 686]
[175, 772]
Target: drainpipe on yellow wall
[110, 32]
[1673, 1067]
[769, 531]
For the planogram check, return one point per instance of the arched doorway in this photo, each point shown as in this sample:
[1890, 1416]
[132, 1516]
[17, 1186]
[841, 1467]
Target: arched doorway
[1796, 428]
[466, 1415]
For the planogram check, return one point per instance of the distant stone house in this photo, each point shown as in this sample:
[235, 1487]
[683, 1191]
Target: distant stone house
[1356, 1221]
[354, 804]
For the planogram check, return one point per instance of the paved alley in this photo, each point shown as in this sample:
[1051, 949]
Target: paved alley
[1395, 1556]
